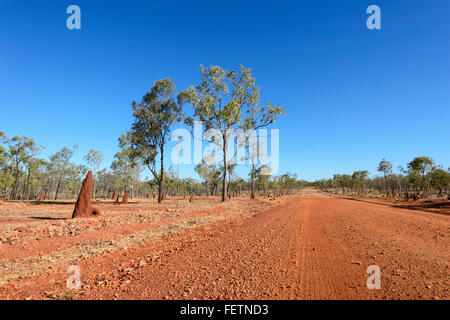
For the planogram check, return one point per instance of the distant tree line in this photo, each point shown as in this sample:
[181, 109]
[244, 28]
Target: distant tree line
[222, 100]
[24, 175]
[421, 178]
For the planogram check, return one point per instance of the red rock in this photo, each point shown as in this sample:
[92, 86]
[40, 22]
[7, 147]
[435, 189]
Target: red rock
[190, 199]
[5, 199]
[125, 198]
[83, 207]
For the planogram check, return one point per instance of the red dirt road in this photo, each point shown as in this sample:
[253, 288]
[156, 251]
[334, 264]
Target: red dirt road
[308, 247]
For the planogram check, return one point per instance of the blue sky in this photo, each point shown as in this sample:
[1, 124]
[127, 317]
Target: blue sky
[353, 96]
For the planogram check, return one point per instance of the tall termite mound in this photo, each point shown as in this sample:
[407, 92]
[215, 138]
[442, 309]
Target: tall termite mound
[115, 195]
[83, 207]
[125, 198]
[4, 198]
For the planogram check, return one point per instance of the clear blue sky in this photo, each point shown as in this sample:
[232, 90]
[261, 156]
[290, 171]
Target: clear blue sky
[352, 95]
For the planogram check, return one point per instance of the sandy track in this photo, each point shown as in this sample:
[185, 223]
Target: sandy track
[310, 247]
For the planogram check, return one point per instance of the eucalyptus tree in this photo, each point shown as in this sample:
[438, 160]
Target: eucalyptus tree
[419, 167]
[226, 101]
[154, 117]
[359, 180]
[288, 181]
[6, 178]
[94, 159]
[128, 168]
[263, 178]
[210, 175]
[338, 182]
[386, 168]
[22, 151]
[107, 182]
[439, 179]
[231, 168]
[38, 178]
[34, 168]
[59, 167]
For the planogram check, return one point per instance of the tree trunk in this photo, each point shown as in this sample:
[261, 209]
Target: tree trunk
[225, 165]
[252, 194]
[229, 183]
[57, 189]
[28, 185]
[161, 176]
[15, 185]
[94, 184]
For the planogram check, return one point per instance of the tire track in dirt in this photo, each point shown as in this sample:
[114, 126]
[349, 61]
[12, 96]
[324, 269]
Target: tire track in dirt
[12, 270]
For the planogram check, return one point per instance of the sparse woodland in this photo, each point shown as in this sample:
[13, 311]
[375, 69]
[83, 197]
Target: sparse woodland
[223, 100]
[422, 178]
[26, 176]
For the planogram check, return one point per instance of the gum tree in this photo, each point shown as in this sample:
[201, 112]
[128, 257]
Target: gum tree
[6, 178]
[154, 117]
[22, 152]
[420, 167]
[439, 179]
[227, 101]
[59, 167]
[210, 174]
[360, 179]
[127, 168]
[385, 167]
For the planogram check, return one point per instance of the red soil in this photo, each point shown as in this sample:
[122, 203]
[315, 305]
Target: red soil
[305, 247]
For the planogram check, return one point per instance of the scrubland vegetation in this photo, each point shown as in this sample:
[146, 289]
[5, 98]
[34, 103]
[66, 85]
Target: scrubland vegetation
[422, 178]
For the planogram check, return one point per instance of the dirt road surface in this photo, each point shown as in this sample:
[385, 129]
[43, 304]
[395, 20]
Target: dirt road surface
[310, 246]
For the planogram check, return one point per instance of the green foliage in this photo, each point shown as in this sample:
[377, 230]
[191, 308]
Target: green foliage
[421, 175]
[385, 167]
[153, 119]
[211, 176]
[419, 168]
[227, 100]
[421, 165]
[59, 168]
[127, 168]
[439, 179]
